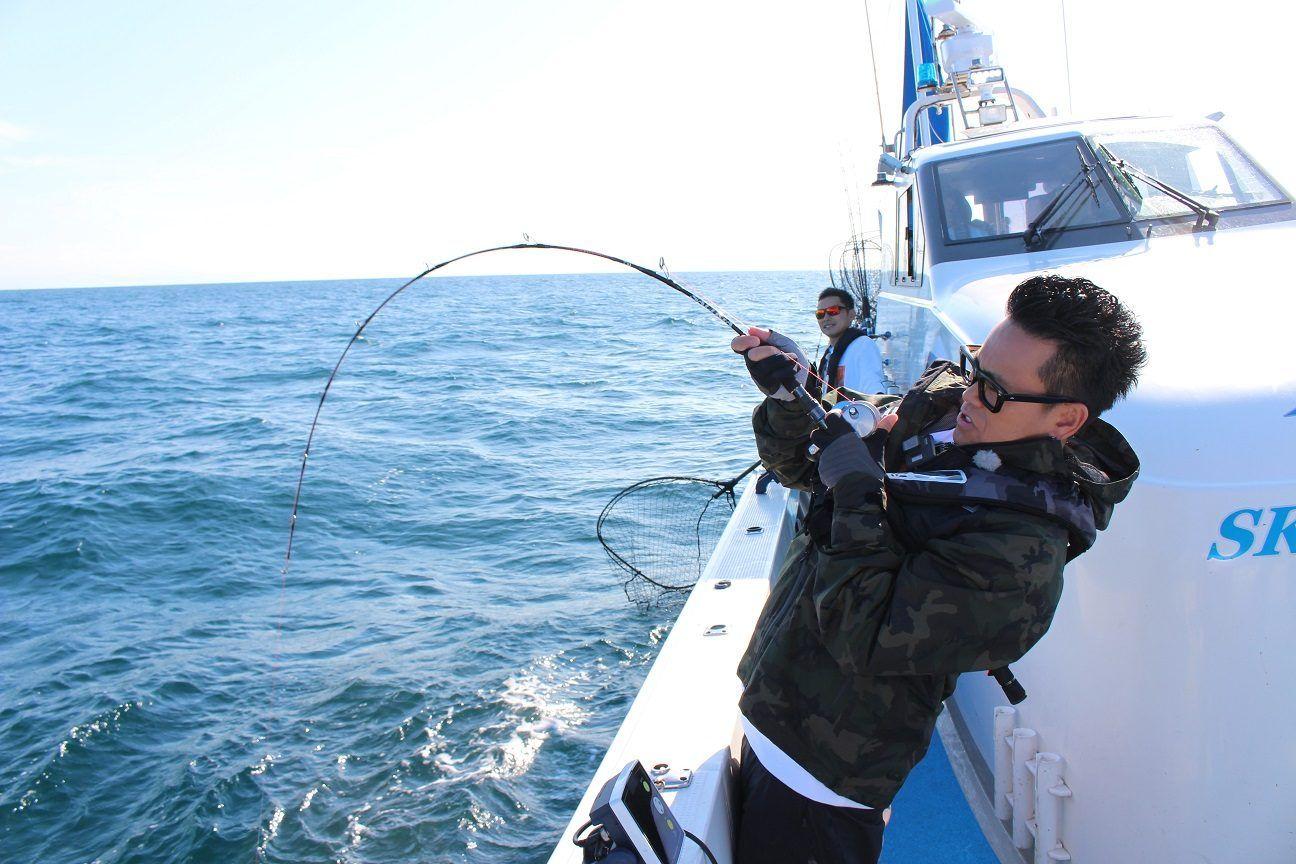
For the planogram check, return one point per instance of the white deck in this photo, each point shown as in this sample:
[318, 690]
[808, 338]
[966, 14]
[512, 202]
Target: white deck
[685, 715]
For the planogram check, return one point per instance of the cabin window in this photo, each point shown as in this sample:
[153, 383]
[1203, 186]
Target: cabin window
[1000, 193]
[1197, 160]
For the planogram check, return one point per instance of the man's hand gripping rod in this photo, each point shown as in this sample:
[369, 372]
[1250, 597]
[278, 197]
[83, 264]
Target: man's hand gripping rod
[775, 378]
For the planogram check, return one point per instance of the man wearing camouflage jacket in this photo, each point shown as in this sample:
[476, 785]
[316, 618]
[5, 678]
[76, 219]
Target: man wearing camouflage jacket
[885, 597]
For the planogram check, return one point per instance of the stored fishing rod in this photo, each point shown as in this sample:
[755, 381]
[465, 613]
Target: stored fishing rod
[811, 405]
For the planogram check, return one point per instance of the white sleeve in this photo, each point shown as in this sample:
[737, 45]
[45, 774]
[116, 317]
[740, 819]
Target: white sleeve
[861, 367]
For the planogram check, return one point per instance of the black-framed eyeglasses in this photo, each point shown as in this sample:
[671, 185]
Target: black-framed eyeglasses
[993, 394]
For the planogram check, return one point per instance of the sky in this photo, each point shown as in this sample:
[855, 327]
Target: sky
[194, 142]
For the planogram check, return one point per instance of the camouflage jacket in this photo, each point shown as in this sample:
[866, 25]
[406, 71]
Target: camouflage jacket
[875, 613]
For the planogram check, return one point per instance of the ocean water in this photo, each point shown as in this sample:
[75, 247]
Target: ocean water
[438, 673]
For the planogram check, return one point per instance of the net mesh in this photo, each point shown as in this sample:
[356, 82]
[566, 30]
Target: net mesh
[853, 267]
[660, 533]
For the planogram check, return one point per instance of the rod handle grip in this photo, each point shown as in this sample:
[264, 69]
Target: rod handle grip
[812, 406]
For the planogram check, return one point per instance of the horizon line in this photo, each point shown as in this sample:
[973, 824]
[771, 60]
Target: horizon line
[609, 272]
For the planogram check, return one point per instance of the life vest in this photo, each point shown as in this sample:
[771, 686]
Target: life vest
[1060, 501]
[918, 455]
[828, 363]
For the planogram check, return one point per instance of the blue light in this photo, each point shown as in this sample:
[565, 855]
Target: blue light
[927, 76]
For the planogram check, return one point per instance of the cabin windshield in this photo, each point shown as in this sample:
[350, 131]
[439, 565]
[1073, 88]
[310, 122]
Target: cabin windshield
[999, 194]
[1199, 161]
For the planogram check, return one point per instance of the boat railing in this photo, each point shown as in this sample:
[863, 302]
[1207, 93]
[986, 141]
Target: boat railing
[954, 94]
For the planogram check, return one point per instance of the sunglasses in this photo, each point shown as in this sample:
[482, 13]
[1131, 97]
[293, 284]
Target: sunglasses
[829, 310]
[993, 394]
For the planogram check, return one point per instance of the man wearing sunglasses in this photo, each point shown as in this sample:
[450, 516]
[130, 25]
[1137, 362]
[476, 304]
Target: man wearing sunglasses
[896, 583]
[851, 359]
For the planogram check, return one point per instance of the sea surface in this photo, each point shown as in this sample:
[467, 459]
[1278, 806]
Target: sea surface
[437, 674]
[449, 653]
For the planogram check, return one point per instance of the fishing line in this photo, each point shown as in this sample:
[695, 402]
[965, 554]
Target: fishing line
[739, 328]
[720, 492]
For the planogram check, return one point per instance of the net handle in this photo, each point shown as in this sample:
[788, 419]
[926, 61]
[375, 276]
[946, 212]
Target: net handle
[729, 485]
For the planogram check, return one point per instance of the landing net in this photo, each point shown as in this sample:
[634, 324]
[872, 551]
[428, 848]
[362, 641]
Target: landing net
[853, 266]
[660, 532]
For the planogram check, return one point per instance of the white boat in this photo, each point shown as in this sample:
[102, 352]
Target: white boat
[1156, 723]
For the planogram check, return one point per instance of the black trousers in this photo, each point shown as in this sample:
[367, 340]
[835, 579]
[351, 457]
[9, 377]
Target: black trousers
[778, 826]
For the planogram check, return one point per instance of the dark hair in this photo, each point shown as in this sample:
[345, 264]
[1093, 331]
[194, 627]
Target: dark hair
[847, 300]
[1099, 341]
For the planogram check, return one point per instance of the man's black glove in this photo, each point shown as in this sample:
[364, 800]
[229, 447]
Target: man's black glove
[842, 453]
[775, 375]
[778, 375]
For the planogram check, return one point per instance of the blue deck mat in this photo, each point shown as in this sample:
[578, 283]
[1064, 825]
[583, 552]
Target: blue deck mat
[931, 823]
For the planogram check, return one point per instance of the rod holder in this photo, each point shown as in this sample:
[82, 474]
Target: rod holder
[1005, 720]
[1050, 789]
[1024, 747]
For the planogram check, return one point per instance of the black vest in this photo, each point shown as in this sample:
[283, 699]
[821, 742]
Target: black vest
[827, 366]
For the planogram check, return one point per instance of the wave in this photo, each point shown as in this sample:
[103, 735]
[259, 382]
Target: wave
[432, 676]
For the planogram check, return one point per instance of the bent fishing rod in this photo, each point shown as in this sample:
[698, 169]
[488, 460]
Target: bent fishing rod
[812, 406]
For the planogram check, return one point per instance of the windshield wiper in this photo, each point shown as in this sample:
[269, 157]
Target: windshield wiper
[1125, 184]
[1034, 231]
[1206, 217]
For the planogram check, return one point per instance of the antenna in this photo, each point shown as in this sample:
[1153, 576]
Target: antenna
[1066, 54]
[877, 88]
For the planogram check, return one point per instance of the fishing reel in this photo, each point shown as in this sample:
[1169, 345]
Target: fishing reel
[863, 417]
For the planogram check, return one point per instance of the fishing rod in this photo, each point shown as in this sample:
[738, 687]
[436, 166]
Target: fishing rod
[812, 406]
